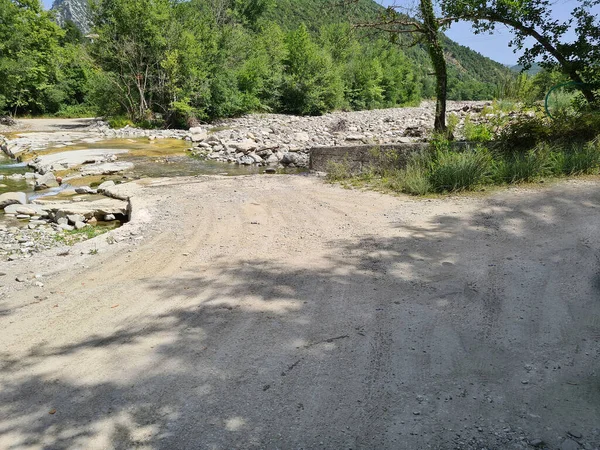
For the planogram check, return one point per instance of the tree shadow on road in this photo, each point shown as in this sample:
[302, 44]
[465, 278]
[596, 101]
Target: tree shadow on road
[488, 320]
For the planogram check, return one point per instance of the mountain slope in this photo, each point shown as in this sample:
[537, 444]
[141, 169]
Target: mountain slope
[471, 75]
[534, 69]
[76, 11]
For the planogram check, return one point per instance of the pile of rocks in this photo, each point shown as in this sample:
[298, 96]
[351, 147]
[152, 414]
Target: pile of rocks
[273, 139]
[267, 139]
[18, 243]
[45, 219]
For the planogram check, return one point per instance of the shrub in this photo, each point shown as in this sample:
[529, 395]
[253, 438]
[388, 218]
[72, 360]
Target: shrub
[452, 122]
[76, 111]
[476, 133]
[528, 132]
[439, 142]
[117, 122]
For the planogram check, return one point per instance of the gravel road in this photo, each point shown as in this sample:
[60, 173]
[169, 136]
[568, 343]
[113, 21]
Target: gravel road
[49, 125]
[283, 313]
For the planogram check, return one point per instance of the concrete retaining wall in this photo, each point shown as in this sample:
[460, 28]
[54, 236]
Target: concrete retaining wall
[358, 157]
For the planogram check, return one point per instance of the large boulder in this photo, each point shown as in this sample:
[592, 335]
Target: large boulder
[46, 181]
[29, 210]
[85, 190]
[107, 168]
[104, 186]
[295, 159]
[245, 160]
[302, 136]
[67, 160]
[11, 198]
[199, 137]
[246, 146]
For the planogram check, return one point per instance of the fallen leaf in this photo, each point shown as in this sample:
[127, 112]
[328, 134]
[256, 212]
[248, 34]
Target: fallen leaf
[52, 411]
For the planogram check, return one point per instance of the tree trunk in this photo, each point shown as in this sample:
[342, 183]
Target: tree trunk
[436, 52]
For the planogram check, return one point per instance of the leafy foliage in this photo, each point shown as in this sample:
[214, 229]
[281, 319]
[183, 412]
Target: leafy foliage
[579, 59]
[28, 54]
[180, 62]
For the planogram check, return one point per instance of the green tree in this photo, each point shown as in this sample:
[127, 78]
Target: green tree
[135, 40]
[29, 45]
[579, 60]
[311, 83]
[426, 31]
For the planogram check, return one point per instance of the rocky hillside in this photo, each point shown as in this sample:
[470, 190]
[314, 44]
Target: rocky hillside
[76, 11]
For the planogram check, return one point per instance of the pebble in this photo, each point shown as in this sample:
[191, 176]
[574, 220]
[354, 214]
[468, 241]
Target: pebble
[569, 444]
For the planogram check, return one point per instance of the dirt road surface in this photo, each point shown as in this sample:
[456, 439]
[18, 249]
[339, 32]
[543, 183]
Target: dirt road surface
[283, 313]
[49, 125]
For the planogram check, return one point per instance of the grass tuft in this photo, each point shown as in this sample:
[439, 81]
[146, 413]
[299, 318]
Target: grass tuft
[456, 171]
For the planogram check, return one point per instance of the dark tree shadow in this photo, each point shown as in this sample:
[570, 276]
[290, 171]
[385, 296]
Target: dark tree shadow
[459, 333]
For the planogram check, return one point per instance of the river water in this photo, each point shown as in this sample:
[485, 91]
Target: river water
[159, 158]
[151, 159]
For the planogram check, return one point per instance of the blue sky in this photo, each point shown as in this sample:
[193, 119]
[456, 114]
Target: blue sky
[494, 46]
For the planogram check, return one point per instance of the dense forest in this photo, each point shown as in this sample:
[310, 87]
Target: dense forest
[168, 62]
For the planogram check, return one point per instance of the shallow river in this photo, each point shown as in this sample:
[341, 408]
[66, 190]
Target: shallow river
[151, 159]
[159, 158]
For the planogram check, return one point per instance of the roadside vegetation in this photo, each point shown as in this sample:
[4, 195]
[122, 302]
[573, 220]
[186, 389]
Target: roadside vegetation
[74, 236]
[166, 63]
[503, 151]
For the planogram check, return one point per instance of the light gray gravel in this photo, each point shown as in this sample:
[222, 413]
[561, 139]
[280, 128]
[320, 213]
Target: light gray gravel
[282, 313]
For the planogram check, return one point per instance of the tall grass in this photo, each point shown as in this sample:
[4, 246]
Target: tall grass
[444, 169]
[523, 167]
[456, 171]
[578, 160]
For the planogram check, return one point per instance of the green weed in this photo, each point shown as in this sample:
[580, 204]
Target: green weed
[413, 180]
[74, 236]
[523, 167]
[579, 160]
[338, 171]
[476, 133]
[119, 122]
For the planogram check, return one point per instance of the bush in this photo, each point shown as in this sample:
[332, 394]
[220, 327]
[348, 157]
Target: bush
[119, 122]
[443, 169]
[476, 133]
[526, 133]
[76, 111]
